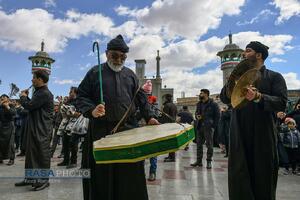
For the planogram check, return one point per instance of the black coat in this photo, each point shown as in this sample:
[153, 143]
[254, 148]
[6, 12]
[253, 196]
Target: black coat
[111, 181]
[223, 127]
[39, 128]
[253, 160]
[210, 115]
[7, 133]
[170, 109]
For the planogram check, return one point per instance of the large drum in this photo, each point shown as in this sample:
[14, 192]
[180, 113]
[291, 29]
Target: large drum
[140, 143]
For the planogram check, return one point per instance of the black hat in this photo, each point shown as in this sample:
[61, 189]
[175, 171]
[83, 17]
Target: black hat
[259, 48]
[118, 44]
[4, 95]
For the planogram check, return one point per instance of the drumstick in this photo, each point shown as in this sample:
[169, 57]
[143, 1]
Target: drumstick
[169, 116]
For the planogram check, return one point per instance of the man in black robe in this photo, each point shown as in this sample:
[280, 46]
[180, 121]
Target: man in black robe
[7, 114]
[39, 129]
[112, 181]
[253, 160]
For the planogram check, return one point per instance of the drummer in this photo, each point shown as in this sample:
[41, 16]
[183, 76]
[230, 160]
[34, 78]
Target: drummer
[112, 181]
[253, 161]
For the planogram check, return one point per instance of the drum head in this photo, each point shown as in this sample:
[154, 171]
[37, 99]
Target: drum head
[248, 78]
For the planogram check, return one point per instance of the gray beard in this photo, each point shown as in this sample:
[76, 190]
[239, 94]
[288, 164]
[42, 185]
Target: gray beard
[116, 68]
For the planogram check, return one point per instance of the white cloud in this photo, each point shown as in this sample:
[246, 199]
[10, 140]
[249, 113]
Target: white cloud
[186, 18]
[23, 30]
[50, 3]
[277, 60]
[188, 54]
[191, 83]
[264, 14]
[287, 8]
[292, 80]
[66, 81]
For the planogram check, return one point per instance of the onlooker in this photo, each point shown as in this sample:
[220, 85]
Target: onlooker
[208, 115]
[169, 108]
[290, 138]
[7, 137]
[185, 116]
[223, 128]
[18, 124]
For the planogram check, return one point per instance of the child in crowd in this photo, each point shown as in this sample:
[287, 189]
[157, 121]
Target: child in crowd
[290, 138]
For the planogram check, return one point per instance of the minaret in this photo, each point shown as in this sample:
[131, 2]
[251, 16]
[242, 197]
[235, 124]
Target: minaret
[158, 65]
[140, 69]
[41, 60]
[230, 57]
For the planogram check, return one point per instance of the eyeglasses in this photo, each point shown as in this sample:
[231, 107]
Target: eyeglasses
[116, 55]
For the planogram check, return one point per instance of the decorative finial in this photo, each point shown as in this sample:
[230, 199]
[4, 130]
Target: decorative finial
[157, 53]
[230, 37]
[42, 45]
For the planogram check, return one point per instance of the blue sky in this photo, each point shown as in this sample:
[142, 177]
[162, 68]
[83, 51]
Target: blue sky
[188, 34]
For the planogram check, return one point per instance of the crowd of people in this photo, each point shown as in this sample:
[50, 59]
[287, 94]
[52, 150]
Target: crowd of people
[35, 126]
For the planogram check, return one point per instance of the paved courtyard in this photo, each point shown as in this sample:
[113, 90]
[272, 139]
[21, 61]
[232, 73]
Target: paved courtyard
[175, 181]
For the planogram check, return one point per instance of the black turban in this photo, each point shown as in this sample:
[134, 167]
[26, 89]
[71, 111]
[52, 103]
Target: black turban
[4, 95]
[118, 44]
[259, 48]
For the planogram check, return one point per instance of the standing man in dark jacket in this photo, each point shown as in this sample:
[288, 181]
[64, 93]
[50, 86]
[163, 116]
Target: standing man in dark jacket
[208, 115]
[39, 129]
[120, 84]
[169, 108]
[253, 158]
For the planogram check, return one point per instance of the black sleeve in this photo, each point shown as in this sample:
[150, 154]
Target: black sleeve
[197, 109]
[84, 101]
[216, 115]
[142, 103]
[223, 95]
[38, 100]
[277, 101]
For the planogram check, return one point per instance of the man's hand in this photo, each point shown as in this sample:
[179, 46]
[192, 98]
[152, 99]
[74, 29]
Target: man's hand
[24, 93]
[6, 104]
[99, 111]
[153, 121]
[281, 115]
[252, 93]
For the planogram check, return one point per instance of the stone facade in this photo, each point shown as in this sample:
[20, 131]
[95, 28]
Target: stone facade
[157, 89]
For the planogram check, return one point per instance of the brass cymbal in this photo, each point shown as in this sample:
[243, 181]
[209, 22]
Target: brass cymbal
[250, 77]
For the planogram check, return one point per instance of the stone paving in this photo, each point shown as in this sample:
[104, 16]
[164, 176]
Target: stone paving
[175, 181]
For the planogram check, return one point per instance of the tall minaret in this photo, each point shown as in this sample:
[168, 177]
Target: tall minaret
[158, 65]
[230, 57]
[41, 60]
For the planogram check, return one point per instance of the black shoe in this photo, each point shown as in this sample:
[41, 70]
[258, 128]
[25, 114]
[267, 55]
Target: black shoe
[21, 154]
[152, 177]
[10, 162]
[40, 186]
[22, 183]
[169, 160]
[1, 161]
[197, 163]
[71, 166]
[63, 163]
[208, 166]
